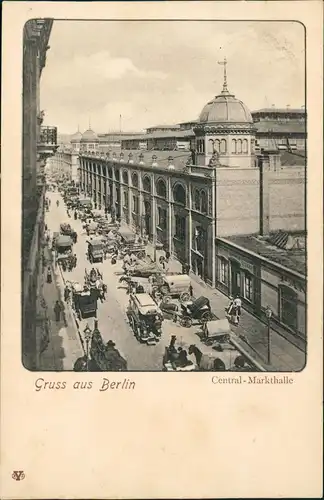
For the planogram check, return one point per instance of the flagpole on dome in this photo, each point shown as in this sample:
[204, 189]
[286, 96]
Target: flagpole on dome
[224, 63]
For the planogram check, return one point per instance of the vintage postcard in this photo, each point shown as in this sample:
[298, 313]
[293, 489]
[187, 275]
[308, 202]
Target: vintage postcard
[162, 250]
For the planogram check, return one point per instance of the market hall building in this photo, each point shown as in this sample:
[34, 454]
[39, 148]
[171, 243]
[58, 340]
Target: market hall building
[236, 216]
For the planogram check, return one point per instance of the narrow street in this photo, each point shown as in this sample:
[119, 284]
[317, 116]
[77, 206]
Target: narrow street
[111, 314]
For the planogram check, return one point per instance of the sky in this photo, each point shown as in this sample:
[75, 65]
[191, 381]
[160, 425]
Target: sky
[154, 73]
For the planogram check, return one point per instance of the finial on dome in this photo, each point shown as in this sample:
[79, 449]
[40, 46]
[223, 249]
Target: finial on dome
[224, 63]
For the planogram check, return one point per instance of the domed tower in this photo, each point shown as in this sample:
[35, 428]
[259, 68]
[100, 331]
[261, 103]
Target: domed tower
[89, 141]
[225, 134]
[76, 140]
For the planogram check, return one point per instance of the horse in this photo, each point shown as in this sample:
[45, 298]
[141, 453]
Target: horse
[205, 362]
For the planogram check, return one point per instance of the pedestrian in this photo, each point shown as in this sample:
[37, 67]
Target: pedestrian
[231, 311]
[75, 260]
[126, 261]
[191, 290]
[237, 302]
[185, 268]
[66, 294]
[49, 275]
[167, 256]
[57, 311]
[133, 258]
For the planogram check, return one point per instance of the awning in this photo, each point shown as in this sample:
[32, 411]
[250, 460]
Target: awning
[64, 241]
[127, 235]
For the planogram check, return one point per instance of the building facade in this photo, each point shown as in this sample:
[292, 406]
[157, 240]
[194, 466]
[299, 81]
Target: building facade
[197, 205]
[39, 143]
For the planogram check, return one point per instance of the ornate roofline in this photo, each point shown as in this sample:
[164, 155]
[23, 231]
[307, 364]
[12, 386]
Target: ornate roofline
[225, 128]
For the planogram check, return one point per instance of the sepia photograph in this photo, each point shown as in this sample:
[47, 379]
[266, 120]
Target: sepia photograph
[164, 196]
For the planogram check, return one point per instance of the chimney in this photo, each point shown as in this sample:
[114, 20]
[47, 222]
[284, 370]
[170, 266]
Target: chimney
[264, 198]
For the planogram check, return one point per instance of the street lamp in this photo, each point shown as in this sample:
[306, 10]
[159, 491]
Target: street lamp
[268, 313]
[87, 335]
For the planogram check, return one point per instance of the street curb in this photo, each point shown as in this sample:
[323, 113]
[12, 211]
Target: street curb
[70, 311]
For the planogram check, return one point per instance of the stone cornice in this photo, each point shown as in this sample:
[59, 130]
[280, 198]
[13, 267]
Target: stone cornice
[224, 128]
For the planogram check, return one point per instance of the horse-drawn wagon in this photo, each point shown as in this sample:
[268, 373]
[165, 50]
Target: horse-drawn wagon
[84, 302]
[63, 249]
[145, 318]
[198, 311]
[176, 285]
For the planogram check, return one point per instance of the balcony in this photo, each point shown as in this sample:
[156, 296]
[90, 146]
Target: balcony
[47, 145]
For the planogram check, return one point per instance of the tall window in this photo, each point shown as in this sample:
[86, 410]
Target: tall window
[161, 188]
[135, 179]
[147, 184]
[245, 146]
[210, 146]
[125, 199]
[234, 146]
[199, 241]
[117, 174]
[162, 218]
[179, 194]
[239, 146]
[197, 200]
[180, 227]
[223, 271]
[125, 177]
[248, 287]
[217, 145]
[223, 146]
[203, 198]
[288, 306]
[135, 204]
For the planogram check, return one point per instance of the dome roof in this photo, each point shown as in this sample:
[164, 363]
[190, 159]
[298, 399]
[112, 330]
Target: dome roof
[225, 108]
[89, 136]
[76, 137]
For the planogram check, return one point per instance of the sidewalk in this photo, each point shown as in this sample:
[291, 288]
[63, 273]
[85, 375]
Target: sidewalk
[63, 347]
[285, 356]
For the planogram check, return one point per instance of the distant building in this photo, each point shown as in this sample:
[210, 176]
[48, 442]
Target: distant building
[286, 127]
[283, 129]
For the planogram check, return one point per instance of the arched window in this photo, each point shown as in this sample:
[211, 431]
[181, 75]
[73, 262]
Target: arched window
[104, 172]
[146, 184]
[234, 150]
[239, 146]
[125, 177]
[245, 146]
[117, 174]
[223, 146]
[110, 173]
[203, 199]
[135, 179]
[210, 146]
[217, 145]
[161, 188]
[179, 194]
[197, 200]
[288, 306]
